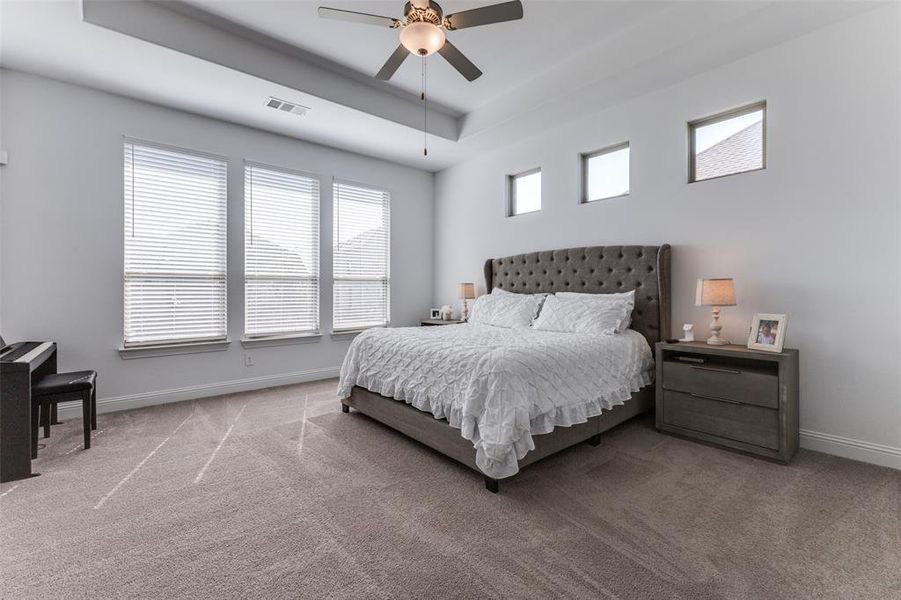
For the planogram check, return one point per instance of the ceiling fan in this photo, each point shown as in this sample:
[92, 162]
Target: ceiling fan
[422, 31]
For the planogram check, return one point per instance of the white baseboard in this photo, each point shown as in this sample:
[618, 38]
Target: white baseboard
[877, 454]
[72, 410]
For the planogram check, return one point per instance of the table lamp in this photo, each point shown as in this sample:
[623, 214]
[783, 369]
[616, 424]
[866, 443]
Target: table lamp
[715, 293]
[466, 291]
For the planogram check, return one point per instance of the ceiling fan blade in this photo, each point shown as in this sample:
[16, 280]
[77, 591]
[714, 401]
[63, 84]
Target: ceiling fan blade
[393, 63]
[496, 13]
[452, 55]
[357, 17]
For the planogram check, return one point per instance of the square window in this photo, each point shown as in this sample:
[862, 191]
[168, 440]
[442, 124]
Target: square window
[525, 193]
[728, 143]
[605, 173]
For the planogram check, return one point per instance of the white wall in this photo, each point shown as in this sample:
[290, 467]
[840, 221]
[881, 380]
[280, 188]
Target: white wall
[815, 235]
[61, 237]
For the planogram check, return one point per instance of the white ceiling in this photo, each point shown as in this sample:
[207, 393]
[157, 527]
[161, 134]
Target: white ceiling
[564, 60]
[507, 53]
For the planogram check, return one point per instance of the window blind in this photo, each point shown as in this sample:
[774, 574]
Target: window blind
[281, 252]
[175, 240]
[362, 252]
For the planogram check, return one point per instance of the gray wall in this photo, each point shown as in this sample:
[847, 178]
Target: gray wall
[62, 237]
[815, 235]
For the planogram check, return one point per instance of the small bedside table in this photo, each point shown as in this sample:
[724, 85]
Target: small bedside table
[730, 396]
[435, 322]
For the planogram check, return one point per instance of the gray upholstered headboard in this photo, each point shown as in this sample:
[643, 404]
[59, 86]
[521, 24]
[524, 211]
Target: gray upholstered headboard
[595, 270]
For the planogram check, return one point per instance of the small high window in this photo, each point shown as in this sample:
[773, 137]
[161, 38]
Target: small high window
[524, 193]
[728, 143]
[605, 173]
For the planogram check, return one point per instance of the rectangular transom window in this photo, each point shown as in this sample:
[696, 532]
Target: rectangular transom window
[728, 143]
[362, 257]
[524, 193]
[605, 173]
[281, 252]
[175, 216]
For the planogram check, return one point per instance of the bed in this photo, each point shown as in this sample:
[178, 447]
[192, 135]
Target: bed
[421, 381]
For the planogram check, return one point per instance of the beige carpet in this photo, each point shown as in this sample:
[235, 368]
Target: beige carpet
[276, 494]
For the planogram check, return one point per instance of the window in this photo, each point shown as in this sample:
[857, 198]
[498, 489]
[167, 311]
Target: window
[524, 193]
[281, 252]
[361, 257]
[728, 143]
[175, 203]
[605, 173]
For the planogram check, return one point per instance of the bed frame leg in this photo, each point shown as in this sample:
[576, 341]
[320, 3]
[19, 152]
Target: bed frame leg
[595, 440]
[345, 408]
[491, 484]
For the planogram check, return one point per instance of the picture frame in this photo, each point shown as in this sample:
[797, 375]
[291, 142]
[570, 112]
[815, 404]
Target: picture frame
[767, 332]
[435, 313]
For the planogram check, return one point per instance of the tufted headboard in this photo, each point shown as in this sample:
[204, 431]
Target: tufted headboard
[595, 270]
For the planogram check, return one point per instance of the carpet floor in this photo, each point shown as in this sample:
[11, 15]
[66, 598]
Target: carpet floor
[276, 494]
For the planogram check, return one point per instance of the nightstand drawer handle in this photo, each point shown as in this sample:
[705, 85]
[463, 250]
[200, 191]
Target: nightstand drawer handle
[714, 398]
[730, 371]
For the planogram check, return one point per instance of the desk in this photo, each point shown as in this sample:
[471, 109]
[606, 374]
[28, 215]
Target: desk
[21, 364]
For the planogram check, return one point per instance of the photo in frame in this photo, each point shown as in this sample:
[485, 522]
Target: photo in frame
[435, 313]
[767, 332]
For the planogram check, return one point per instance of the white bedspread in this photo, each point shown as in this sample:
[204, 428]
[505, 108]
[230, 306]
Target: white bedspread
[499, 386]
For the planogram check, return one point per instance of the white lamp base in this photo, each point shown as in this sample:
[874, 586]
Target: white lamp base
[715, 328]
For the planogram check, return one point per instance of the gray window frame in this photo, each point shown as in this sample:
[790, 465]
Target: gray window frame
[583, 160]
[511, 192]
[717, 118]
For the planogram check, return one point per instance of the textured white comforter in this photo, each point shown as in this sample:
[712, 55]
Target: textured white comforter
[499, 386]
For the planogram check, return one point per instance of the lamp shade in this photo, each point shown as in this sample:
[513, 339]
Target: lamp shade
[715, 292]
[467, 291]
[422, 38]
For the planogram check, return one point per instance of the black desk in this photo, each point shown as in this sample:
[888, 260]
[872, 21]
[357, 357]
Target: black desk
[20, 364]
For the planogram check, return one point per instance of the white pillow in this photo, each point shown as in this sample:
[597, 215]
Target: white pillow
[579, 314]
[505, 309]
[604, 299]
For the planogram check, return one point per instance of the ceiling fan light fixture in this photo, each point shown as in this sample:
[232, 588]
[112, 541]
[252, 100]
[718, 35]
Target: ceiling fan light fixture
[422, 39]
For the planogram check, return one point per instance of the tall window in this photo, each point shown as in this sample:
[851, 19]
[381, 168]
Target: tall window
[524, 193]
[362, 257]
[605, 173]
[281, 252]
[728, 143]
[175, 204]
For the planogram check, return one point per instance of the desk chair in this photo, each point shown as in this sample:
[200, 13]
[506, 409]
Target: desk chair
[63, 387]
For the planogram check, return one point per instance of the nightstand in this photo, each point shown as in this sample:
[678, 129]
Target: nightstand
[742, 399]
[431, 322]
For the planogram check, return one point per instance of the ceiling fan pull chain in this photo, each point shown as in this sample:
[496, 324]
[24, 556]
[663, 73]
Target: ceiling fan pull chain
[425, 112]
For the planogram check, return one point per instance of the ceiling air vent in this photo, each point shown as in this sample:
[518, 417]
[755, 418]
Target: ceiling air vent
[288, 107]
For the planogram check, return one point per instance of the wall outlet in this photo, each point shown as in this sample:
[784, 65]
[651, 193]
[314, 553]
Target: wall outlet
[248, 359]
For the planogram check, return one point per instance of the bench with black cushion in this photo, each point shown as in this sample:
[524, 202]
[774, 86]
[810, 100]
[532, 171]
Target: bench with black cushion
[64, 387]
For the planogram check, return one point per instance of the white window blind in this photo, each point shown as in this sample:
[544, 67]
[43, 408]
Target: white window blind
[175, 213]
[281, 252]
[362, 257]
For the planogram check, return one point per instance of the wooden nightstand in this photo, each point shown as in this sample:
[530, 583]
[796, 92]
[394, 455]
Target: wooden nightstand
[433, 322]
[741, 399]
